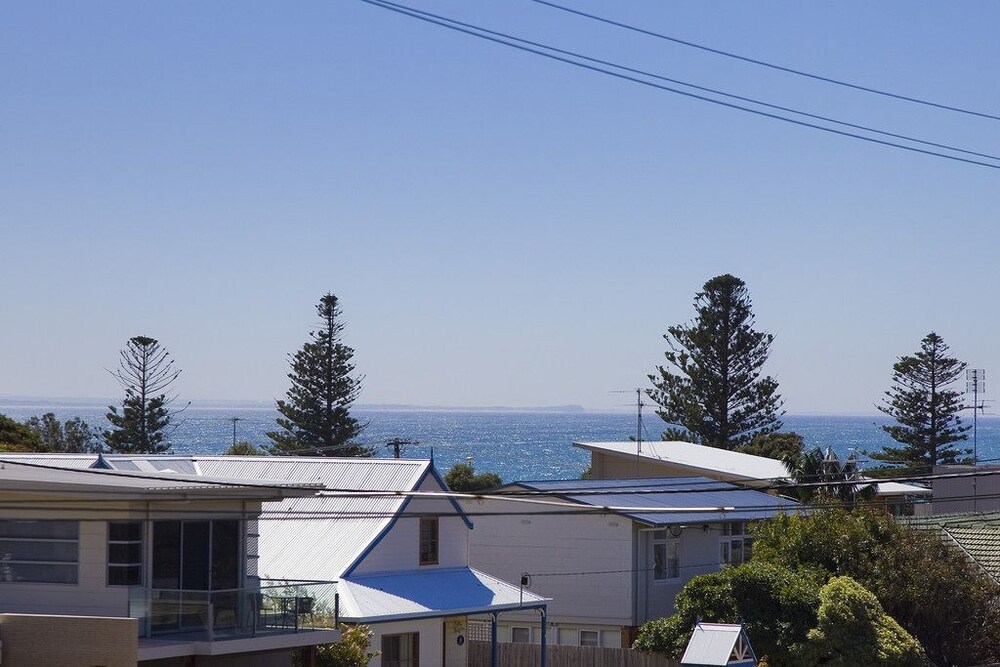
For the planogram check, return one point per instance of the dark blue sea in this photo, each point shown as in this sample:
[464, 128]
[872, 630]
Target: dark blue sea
[516, 445]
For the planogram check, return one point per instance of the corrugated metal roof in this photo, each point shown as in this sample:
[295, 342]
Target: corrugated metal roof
[44, 477]
[668, 493]
[435, 592]
[299, 546]
[698, 457]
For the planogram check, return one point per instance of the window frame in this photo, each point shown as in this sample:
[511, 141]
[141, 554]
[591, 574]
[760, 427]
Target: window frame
[412, 643]
[9, 565]
[669, 569]
[525, 629]
[735, 539]
[596, 634]
[131, 565]
[428, 549]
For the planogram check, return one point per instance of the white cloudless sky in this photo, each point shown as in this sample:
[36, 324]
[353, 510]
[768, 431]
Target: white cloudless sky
[500, 229]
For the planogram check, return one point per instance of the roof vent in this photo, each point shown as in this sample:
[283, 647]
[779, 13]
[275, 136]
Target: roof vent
[101, 463]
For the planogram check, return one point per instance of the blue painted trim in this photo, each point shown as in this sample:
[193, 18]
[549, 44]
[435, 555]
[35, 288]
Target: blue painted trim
[454, 503]
[430, 470]
[374, 543]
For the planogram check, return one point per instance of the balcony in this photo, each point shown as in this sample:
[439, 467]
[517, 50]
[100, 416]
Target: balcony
[275, 615]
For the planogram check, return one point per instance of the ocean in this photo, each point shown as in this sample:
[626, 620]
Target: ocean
[515, 445]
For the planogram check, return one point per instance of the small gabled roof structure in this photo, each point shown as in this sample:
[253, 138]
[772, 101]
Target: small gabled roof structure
[665, 501]
[718, 645]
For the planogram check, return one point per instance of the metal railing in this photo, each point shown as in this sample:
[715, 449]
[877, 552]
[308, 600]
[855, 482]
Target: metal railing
[273, 607]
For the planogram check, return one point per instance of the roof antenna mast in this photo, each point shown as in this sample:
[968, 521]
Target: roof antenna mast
[638, 424]
[975, 383]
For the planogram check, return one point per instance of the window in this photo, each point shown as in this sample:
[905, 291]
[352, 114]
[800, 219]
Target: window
[735, 545]
[520, 635]
[590, 638]
[196, 555]
[567, 636]
[124, 553]
[429, 541]
[401, 650]
[666, 559]
[39, 551]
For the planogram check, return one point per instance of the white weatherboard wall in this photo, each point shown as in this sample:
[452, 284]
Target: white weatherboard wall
[432, 646]
[399, 549]
[562, 544]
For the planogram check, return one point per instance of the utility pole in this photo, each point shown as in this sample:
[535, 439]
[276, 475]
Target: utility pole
[234, 420]
[397, 445]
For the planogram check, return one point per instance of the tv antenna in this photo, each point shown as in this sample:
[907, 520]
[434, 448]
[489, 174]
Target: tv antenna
[975, 384]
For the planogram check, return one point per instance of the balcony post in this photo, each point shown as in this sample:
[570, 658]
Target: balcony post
[494, 649]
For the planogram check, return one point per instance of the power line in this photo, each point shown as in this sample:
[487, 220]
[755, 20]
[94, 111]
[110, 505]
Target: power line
[714, 91]
[763, 63]
[481, 33]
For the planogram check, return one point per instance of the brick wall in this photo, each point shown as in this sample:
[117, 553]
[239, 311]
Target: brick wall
[29, 640]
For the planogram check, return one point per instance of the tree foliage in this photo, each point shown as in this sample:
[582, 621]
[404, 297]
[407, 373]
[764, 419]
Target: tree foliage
[16, 437]
[316, 415]
[776, 605]
[353, 649]
[925, 407]
[932, 590]
[244, 448]
[146, 373]
[463, 477]
[713, 384]
[821, 475]
[853, 630]
[72, 436]
[781, 446]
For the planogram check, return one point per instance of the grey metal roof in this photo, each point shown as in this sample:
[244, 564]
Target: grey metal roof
[429, 593]
[17, 474]
[661, 501]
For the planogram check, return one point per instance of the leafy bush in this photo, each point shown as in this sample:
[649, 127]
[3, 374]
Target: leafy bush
[463, 477]
[932, 590]
[853, 629]
[350, 651]
[776, 605]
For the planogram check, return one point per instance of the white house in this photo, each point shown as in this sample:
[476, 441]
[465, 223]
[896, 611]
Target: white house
[611, 554]
[675, 458]
[383, 529]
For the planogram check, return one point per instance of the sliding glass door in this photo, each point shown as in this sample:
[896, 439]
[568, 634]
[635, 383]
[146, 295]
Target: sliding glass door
[196, 567]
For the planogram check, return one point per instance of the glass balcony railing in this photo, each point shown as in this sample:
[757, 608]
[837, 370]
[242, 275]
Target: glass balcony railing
[274, 607]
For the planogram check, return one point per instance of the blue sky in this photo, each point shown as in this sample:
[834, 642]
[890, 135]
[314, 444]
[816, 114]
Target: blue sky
[500, 229]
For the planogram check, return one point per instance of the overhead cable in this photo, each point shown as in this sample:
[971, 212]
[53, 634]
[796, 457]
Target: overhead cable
[437, 17]
[763, 63]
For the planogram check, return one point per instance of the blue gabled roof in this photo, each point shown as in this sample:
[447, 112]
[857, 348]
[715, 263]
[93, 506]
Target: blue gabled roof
[654, 500]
